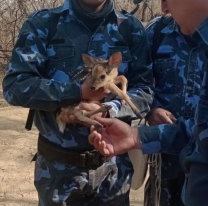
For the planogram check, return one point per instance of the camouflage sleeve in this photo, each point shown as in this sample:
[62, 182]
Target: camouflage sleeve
[201, 118]
[140, 77]
[155, 104]
[170, 139]
[27, 83]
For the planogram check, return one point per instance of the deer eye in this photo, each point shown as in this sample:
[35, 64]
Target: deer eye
[102, 76]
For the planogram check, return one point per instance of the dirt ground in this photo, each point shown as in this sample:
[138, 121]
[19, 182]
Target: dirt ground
[17, 147]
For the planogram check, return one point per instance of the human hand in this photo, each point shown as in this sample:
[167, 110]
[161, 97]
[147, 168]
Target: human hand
[66, 114]
[91, 106]
[89, 94]
[159, 116]
[116, 138]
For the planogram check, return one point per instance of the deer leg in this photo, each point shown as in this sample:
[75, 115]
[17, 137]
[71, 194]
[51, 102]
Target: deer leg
[103, 108]
[115, 90]
[83, 116]
[61, 117]
[123, 81]
[80, 115]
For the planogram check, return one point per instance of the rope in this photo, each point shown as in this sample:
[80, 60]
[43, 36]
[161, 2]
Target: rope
[155, 160]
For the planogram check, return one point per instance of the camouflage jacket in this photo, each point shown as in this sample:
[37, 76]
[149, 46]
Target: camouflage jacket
[189, 138]
[177, 69]
[41, 67]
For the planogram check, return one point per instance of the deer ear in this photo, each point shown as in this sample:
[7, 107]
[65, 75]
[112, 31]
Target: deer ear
[115, 60]
[88, 60]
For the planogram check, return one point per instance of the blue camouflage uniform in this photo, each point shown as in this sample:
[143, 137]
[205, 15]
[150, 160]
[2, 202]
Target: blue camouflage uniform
[39, 78]
[187, 138]
[177, 68]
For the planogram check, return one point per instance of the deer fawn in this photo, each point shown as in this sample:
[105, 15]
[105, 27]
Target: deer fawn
[104, 73]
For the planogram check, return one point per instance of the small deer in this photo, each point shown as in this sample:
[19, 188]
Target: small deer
[104, 73]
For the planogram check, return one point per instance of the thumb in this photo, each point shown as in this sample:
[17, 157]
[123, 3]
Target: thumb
[104, 121]
[171, 116]
[107, 91]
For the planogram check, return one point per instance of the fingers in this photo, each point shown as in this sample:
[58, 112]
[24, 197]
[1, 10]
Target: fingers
[171, 116]
[103, 149]
[95, 139]
[166, 119]
[160, 116]
[92, 128]
[105, 121]
[107, 91]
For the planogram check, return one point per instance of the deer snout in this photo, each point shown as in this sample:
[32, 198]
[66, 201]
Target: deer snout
[92, 88]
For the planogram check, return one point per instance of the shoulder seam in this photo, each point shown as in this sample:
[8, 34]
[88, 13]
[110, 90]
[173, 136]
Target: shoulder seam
[38, 11]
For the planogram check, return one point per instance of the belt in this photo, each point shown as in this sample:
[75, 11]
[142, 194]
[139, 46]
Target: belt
[53, 152]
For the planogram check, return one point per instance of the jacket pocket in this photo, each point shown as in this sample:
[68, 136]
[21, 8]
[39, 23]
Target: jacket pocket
[60, 57]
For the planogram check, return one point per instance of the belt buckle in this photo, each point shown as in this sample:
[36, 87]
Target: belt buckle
[93, 158]
[83, 160]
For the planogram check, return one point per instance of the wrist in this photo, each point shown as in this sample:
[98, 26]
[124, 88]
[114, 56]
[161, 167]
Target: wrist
[136, 139]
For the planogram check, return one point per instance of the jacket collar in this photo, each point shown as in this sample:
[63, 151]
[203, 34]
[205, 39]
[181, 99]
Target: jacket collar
[67, 6]
[171, 27]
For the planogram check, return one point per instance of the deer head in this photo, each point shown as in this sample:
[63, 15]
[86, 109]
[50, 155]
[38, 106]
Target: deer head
[101, 69]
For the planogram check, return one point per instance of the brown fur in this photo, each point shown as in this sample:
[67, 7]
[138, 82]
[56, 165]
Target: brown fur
[104, 73]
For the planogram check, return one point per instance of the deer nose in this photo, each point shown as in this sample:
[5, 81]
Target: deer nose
[92, 88]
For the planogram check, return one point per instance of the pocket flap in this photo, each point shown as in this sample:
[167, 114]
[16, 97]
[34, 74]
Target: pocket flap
[62, 51]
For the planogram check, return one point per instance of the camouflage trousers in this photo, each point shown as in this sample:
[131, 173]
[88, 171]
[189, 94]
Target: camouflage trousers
[60, 184]
[172, 180]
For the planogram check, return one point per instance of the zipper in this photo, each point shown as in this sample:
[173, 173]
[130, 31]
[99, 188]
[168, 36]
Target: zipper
[93, 34]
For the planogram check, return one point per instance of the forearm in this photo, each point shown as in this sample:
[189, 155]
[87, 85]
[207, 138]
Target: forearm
[41, 94]
[170, 139]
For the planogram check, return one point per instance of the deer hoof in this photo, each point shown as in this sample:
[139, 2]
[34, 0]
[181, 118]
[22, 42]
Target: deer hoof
[123, 102]
[97, 125]
[105, 108]
[137, 113]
